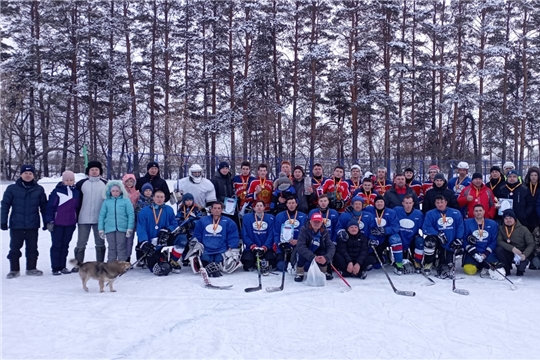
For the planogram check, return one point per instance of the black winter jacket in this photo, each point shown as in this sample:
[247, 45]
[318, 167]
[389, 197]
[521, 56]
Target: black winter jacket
[304, 247]
[26, 202]
[429, 197]
[303, 199]
[157, 183]
[393, 199]
[223, 185]
[355, 249]
[523, 203]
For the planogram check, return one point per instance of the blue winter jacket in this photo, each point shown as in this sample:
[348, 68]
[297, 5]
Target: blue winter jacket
[454, 229]
[486, 243]
[365, 221]
[116, 214]
[409, 224]
[26, 201]
[260, 232]
[146, 225]
[62, 205]
[331, 218]
[281, 218]
[216, 241]
[389, 222]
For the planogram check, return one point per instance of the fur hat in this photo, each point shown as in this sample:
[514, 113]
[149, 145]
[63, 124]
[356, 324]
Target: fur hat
[94, 164]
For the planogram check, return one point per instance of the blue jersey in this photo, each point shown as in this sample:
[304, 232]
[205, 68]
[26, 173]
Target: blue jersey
[258, 231]
[449, 221]
[486, 238]
[364, 219]
[409, 224]
[147, 229]
[298, 219]
[216, 238]
[331, 218]
[388, 221]
[456, 186]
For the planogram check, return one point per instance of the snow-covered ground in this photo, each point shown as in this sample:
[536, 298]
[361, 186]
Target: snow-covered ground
[51, 317]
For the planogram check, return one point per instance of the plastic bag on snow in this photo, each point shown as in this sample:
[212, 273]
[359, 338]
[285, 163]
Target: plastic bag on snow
[315, 276]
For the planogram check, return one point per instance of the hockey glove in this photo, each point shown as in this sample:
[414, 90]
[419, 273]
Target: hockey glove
[163, 237]
[456, 244]
[212, 270]
[147, 248]
[479, 258]
[471, 240]
[377, 231]
[342, 235]
[442, 238]
[373, 242]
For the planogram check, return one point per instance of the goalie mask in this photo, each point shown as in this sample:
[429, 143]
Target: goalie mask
[195, 173]
[231, 261]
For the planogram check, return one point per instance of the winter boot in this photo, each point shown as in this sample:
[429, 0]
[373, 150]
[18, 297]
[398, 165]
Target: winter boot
[79, 256]
[65, 271]
[427, 269]
[328, 275]
[31, 268]
[299, 274]
[14, 265]
[57, 272]
[13, 274]
[100, 253]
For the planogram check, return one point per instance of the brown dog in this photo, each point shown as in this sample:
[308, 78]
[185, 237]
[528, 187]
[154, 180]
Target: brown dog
[101, 271]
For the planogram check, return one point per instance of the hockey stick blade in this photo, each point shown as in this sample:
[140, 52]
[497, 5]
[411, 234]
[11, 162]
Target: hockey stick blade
[253, 289]
[405, 293]
[396, 291]
[461, 291]
[274, 288]
[216, 287]
[431, 281]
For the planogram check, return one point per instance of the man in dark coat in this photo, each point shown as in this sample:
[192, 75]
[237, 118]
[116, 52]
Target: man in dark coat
[27, 200]
[153, 177]
[394, 196]
[522, 200]
[440, 187]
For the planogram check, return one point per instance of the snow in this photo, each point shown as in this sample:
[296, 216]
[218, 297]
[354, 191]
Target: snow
[149, 317]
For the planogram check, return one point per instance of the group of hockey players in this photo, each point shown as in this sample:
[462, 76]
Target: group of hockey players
[349, 225]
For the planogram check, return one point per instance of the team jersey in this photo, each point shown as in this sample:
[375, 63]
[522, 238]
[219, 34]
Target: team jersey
[382, 186]
[257, 230]
[457, 185]
[409, 224]
[241, 188]
[368, 197]
[449, 222]
[353, 186]
[267, 187]
[485, 234]
[336, 191]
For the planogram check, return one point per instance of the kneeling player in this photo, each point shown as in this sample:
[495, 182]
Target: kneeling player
[258, 237]
[410, 222]
[352, 252]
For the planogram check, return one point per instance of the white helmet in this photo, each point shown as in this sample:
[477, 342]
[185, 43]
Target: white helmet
[368, 175]
[509, 165]
[195, 168]
[463, 165]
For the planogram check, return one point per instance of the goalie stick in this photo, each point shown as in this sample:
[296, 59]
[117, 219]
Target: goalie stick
[399, 292]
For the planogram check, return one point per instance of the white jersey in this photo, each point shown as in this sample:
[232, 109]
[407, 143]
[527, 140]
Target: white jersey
[203, 193]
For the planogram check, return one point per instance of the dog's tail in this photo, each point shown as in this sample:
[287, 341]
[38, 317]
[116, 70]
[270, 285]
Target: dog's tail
[75, 262]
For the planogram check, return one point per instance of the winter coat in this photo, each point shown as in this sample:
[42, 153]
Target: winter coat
[409, 225]
[26, 201]
[483, 196]
[355, 249]
[521, 238]
[453, 229]
[389, 222]
[260, 232]
[311, 244]
[223, 185]
[523, 202]
[486, 243]
[117, 213]
[146, 224]
[62, 205]
[331, 218]
[365, 220]
[303, 199]
[284, 216]
[393, 199]
[132, 192]
[216, 241]
[431, 194]
[534, 219]
[275, 206]
[91, 189]
[495, 186]
[157, 183]
[143, 202]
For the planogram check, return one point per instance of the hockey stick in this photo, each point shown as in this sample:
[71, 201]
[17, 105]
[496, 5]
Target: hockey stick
[431, 281]
[454, 289]
[512, 286]
[207, 283]
[399, 292]
[285, 263]
[129, 268]
[342, 278]
[252, 289]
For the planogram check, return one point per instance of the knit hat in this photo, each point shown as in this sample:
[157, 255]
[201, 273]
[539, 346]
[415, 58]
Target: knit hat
[476, 176]
[409, 169]
[439, 176]
[512, 172]
[223, 164]
[147, 186]
[509, 164]
[356, 166]
[433, 167]
[509, 212]
[152, 164]
[28, 167]
[317, 217]
[378, 197]
[495, 168]
[298, 167]
[352, 222]
[187, 196]
[357, 198]
[94, 164]
[68, 175]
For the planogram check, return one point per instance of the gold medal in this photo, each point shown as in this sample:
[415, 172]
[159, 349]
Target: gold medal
[265, 193]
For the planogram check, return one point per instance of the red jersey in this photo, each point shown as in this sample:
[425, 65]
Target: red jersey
[315, 184]
[241, 187]
[483, 196]
[267, 187]
[416, 186]
[382, 186]
[368, 197]
[340, 189]
[426, 185]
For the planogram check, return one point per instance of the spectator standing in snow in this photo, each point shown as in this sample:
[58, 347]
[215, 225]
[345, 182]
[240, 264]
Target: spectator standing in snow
[153, 177]
[129, 184]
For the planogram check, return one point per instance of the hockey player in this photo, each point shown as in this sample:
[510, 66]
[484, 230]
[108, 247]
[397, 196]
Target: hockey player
[364, 219]
[381, 185]
[443, 229]
[477, 193]
[412, 182]
[395, 194]
[410, 222]
[337, 189]
[496, 181]
[284, 190]
[480, 242]
[352, 252]
[258, 236]
[366, 192]
[242, 183]
[330, 216]
[188, 213]
[355, 182]
[458, 183]
[385, 232]
[218, 235]
[154, 226]
[428, 184]
[440, 187]
[314, 244]
[317, 179]
[287, 225]
[514, 244]
[261, 188]
[202, 189]
[286, 169]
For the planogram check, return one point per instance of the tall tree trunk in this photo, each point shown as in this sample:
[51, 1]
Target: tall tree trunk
[245, 106]
[153, 83]
[441, 89]
[313, 69]
[111, 96]
[453, 139]
[524, 65]
[386, 58]
[74, 82]
[231, 86]
[353, 65]
[133, 98]
[483, 35]
[279, 150]
[413, 87]
[505, 86]
[296, 45]
[401, 90]
[167, 90]
[65, 144]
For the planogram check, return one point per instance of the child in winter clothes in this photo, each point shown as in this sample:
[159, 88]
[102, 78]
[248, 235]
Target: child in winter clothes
[61, 220]
[116, 220]
[146, 198]
[129, 183]
[186, 210]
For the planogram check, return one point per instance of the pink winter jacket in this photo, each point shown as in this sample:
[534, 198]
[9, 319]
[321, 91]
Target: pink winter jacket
[133, 194]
